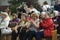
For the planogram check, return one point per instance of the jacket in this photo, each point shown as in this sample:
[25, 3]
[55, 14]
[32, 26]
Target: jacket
[48, 26]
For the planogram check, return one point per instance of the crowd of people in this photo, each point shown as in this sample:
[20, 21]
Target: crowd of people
[29, 23]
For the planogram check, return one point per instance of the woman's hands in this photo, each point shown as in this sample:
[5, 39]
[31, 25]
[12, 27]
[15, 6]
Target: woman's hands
[32, 22]
[36, 24]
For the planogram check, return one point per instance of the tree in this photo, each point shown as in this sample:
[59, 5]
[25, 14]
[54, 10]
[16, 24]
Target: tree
[13, 6]
[15, 3]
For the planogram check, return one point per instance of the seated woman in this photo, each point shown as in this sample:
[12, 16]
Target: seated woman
[3, 23]
[47, 24]
[12, 24]
[23, 24]
[34, 25]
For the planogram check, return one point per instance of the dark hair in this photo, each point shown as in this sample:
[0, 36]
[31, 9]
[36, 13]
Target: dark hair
[29, 4]
[30, 13]
[45, 2]
[21, 10]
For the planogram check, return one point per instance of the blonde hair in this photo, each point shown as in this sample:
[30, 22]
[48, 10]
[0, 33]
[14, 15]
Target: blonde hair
[35, 15]
[24, 14]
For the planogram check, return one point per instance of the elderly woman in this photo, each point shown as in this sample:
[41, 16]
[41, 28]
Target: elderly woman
[34, 25]
[47, 24]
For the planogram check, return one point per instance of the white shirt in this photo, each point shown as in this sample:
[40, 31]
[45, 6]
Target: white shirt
[35, 10]
[5, 22]
[56, 13]
[45, 7]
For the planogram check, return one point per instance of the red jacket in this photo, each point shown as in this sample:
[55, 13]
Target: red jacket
[48, 26]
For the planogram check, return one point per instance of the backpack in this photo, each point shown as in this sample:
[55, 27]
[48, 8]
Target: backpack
[50, 10]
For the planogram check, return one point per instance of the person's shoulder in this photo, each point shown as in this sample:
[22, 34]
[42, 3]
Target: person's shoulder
[17, 19]
[49, 19]
[34, 9]
[48, 6]
[58, 5]
[44, 5]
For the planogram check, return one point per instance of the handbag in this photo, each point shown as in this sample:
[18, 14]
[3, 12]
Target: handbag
[6, 31]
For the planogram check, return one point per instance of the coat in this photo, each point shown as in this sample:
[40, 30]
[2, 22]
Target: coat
[48, 26]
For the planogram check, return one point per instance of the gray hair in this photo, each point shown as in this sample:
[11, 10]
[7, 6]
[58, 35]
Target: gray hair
[46, 14]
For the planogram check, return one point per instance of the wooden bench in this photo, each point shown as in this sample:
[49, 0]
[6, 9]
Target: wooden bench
[5, 37]
[54, 35]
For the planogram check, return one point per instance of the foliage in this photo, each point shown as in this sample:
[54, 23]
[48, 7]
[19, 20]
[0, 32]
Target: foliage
[16, 3]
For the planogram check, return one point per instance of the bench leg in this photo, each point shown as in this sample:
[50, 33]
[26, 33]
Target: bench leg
[54, 35]
[8, 37]
[3, 37]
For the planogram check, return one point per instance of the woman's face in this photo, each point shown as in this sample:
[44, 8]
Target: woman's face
[14, 17]
[43, 15]
[33, 17]
[23, 17]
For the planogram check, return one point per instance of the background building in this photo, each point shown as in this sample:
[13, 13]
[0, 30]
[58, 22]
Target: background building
[50, 2]
[41, 2]
[4, 4]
